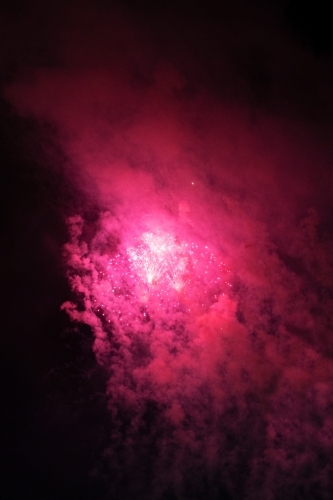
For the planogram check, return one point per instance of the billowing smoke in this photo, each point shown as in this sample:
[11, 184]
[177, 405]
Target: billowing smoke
[205, 272]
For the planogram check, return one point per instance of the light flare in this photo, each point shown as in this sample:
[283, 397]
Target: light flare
[158, 258]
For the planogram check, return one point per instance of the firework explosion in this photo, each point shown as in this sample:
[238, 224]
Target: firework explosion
[158, 276]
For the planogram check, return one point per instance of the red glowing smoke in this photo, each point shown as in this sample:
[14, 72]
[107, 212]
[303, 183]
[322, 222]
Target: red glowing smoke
[205, 277]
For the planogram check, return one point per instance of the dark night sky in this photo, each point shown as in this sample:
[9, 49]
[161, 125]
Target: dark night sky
[213, 121]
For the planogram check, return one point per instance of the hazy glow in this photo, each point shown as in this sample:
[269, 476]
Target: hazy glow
[160, 260]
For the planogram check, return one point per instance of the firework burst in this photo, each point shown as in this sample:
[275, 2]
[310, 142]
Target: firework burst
[155, 277]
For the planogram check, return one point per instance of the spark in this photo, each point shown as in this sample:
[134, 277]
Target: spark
[178, 274]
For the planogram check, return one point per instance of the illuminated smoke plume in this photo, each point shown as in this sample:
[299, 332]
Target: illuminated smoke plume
[199, 250]
[194, 371]
[149, 335]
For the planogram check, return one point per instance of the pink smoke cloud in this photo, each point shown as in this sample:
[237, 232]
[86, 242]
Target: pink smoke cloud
[221, 382]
